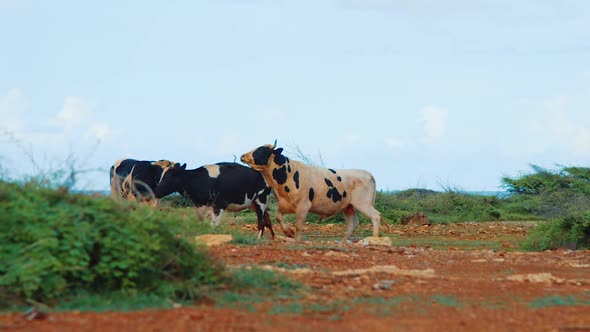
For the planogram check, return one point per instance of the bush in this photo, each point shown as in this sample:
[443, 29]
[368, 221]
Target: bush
[53, 242]
[550, 194]
[440, 207]
[572, 231]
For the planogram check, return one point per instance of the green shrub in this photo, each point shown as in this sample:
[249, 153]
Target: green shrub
[549, 194]
[440, 207]
[570, 231]
[53, 242]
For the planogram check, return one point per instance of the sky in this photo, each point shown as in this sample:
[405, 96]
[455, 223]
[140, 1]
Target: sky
[421, 93]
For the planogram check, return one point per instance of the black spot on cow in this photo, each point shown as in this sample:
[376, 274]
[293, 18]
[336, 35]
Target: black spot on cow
[344, 194]
[280, 174]
[287, 189]
[261, 155]
[329, 183]
[288, 168]
[280, 159]
[296, 179]
[334, 194]
[339, 178]
[331, 170]
[311, 194]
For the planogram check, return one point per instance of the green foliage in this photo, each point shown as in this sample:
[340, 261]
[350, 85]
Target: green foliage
[550, 194]
[573, 179]
[440, 207]
[561, 195]
[54, 242]
[568, 231]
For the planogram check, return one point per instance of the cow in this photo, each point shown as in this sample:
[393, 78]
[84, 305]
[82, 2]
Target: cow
[301, 188]
[136, 179]
[222, 186]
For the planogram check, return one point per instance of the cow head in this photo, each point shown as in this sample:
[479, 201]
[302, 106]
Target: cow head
[261, 157]
[170, 181]
[159, 167]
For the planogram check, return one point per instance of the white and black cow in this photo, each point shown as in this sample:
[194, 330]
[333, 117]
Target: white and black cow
[223, 186]
[302, 188]
[136, 179]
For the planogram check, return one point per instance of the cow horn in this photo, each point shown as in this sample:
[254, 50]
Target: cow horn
[275, 144]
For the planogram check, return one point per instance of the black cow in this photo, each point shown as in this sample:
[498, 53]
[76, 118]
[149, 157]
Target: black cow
[223, 186]
[136, 179]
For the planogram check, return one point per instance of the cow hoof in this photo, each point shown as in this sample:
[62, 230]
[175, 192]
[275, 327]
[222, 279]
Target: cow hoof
[289, 232]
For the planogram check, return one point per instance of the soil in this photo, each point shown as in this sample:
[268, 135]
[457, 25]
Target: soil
[414, 287]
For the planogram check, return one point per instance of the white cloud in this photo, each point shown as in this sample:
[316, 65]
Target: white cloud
[394, 142]
[11, 108]
[352, 139]
[228, 145]
[100, 131]
[74, 111]
[434, 122]
[582, 141]
[270, 114]
[555, 129]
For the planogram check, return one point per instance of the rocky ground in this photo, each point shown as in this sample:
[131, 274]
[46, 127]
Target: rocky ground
[460, 277]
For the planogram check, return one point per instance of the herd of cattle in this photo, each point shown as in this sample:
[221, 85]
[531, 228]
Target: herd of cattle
[299, 188]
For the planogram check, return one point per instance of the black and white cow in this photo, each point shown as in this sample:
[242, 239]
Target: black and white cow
[223, 186]
[136, 179]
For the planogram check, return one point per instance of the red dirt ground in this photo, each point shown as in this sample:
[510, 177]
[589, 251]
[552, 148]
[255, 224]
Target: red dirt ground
[444, 289]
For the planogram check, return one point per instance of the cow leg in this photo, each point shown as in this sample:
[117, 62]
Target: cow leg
[286, 230]
[218, 215]
[372, 214]
[300, 215]
[352, 221]
[260, 211]
[263, 219]
[268, 224]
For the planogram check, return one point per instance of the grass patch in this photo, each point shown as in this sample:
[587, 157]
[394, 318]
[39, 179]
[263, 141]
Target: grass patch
[251, 285]
[374, 306]
[318, 246]
[558, 301]
[115, 301]
[289, 266]
[446, 300]
[244, 238]
[441, 243]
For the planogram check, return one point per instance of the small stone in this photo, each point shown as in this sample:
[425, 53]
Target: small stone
[384, 284]
[337, 254]
[213, 239]
[376, 241]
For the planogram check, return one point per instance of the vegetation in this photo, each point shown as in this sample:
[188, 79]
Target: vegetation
[60, 247]
[562, 197]
[54, 242]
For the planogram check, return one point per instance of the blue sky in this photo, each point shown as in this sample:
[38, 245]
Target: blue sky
[422, 93]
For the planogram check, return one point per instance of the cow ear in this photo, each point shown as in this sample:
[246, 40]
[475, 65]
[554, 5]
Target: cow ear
[277, 151]
[183, 166]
